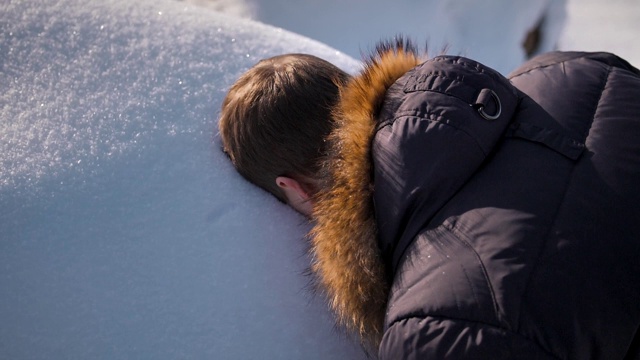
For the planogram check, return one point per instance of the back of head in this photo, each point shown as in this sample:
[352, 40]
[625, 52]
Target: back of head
[275, 118]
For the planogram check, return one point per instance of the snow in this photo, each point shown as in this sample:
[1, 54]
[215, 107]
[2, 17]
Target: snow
[491, 32]
[596, 25]
[488, 32]
[124, 231]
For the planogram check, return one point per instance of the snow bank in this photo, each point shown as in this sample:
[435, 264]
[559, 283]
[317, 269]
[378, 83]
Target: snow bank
[490, 32]
[595, 25]
[124, 231]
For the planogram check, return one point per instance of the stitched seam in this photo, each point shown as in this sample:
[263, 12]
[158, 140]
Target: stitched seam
[432, 117]
[455, 231]
[542, 66]
[545, 238]
[603, 85]
[422, 78]
[436, 317]
[462, 61]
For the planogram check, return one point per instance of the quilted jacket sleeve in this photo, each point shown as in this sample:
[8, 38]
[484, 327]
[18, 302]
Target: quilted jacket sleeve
[443, 338]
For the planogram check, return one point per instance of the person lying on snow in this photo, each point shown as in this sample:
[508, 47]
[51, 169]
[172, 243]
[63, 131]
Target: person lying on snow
[458, 214]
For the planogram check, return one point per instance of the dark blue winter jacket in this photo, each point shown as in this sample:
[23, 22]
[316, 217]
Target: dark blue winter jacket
[471, 216]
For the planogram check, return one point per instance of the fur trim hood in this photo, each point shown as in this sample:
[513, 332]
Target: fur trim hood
[346, 258]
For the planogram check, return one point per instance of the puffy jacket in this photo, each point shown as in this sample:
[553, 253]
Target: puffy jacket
[467, 215]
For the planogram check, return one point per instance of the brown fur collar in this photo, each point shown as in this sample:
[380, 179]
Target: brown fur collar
[346, 258]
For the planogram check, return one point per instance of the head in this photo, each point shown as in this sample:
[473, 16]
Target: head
[274, 122]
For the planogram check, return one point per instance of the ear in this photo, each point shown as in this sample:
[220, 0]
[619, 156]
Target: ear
[296, 195]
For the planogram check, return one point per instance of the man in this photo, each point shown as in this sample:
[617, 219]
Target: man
[458, 214]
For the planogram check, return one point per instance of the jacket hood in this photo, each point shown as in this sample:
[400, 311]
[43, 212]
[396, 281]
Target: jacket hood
[346, 257]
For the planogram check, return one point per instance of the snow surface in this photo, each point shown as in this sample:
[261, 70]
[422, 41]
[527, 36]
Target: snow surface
[124, 231]
[597, 25]
[491, 32]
